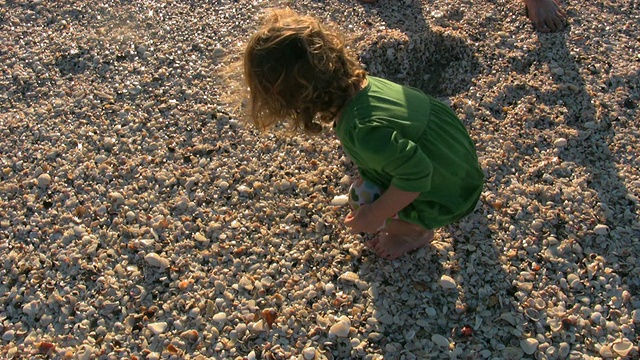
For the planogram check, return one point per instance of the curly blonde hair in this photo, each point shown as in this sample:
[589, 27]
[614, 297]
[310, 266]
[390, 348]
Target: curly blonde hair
[297, 69]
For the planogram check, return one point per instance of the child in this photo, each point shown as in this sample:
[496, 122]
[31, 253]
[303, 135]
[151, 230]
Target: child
[403, 141]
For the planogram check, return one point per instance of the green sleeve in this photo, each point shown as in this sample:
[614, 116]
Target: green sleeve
[383, 149]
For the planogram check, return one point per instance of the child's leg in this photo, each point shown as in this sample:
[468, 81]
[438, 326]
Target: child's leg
[396, 237]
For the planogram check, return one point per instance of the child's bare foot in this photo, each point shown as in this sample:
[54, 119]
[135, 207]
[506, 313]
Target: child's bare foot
[546, 15]
[390, 246]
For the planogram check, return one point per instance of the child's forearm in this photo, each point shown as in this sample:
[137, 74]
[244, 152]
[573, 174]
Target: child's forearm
[391, 202]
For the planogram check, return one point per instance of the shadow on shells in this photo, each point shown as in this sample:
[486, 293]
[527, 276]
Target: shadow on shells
[437, 63]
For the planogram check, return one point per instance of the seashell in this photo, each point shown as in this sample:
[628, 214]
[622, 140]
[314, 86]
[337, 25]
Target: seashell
[532, 314]
[601, 229]
[605, 352]
[512, 353]
[220, 317]
[190, 335]
[560, 142]
[440, 340]
[349, 277]
[622, 347]
[309, 353]
[341, 328]
[157, 327]
[447, 282]
[156, 260]
[340, 200]
[529, 346]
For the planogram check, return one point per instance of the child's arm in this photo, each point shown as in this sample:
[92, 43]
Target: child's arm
[368, 218]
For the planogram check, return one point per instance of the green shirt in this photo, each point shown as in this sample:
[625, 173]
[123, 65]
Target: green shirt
[399, 136]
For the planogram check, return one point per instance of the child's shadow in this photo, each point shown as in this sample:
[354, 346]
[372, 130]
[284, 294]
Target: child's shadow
[446, 293]
[409, 51]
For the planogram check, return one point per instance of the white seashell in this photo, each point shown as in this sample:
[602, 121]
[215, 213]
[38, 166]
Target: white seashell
[220, 317]
[447, 282]
[349, 277]
[246, 283]
[309, 353]
[157, 327]
[340, 200]
[605, 352]
[622, 347]
[200, 238]
[440, 340]
[529, 346]
[156, 260]
[341, 328]
[601, 229]
[560, 142]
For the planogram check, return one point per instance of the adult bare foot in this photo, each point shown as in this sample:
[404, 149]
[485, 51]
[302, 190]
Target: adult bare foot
[392, 247]
[546, 15]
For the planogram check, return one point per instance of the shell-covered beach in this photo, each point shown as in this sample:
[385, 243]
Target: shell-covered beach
[141, 217]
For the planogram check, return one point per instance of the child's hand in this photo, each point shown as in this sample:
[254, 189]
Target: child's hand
[363, 220]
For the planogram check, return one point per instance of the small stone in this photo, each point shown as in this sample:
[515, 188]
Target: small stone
[157, 327]
[375, 336]
[447, 282]
[8, 335]
[116, 198]
[156, 260]
[44, 180]
[100, 159]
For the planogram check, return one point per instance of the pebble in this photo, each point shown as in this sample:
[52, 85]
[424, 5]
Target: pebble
[44, 180]
[8, 335]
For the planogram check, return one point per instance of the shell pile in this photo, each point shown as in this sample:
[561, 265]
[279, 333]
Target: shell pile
[140, 218]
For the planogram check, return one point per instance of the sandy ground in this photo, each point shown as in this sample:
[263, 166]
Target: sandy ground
[141, 219]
